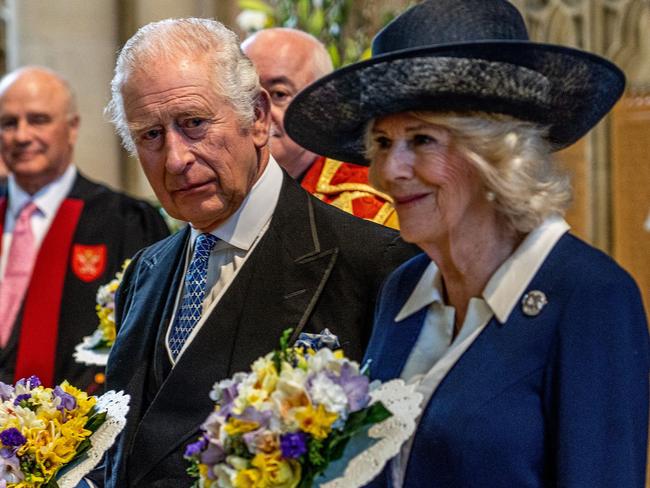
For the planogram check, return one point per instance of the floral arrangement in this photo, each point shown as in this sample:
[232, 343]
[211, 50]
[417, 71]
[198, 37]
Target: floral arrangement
[284, 422]
[104, 336]
[43, 430]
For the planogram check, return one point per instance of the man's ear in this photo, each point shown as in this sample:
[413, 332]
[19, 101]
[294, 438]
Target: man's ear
[73, 129]
[262, 123]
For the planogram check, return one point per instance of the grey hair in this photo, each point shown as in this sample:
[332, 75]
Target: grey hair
[233, 74]
[514, 161]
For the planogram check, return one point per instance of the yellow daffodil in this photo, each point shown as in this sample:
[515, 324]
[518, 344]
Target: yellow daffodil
[236, 426]
[277, 472]
[315, 421]
[267, 375]
[248, 478]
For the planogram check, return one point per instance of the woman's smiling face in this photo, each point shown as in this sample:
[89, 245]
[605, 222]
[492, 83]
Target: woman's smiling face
[433, 185]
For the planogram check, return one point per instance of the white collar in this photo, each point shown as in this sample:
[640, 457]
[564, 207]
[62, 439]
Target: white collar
[47, 199]
[508, 282]
[243, 227]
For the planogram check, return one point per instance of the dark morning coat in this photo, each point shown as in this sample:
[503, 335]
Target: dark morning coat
[315, 267]
[111, 227]
[556, 400]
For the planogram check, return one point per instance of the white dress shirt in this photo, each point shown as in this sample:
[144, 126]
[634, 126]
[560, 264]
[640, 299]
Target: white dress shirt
[238, 236]
[48, 200]
[436, 350]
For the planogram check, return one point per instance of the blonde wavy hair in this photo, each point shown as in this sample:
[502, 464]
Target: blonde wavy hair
[513, 159]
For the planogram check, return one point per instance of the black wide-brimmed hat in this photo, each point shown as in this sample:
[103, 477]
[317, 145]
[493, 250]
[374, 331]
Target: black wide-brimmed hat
[461, 56]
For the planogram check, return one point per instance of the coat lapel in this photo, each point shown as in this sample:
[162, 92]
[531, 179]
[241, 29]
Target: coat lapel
[276, 288]
[133, 352]
[398, 337]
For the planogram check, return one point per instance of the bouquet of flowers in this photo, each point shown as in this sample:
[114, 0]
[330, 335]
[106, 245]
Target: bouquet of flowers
[46, 433]
[285, 422]
[94, 349]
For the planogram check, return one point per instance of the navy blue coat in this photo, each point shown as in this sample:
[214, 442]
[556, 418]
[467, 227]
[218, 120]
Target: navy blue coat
[560, 399]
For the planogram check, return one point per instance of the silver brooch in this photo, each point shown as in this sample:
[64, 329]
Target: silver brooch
[533, 302]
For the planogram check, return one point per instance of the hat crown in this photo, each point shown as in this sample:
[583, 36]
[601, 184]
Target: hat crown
[437, 22]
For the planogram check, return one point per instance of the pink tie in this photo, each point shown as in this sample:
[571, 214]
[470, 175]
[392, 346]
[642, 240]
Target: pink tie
[18, 271]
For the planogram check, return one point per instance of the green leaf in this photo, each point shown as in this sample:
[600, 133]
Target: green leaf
[334, 54]
[376, 413]
[193, 470]
[95, 421]
[257, 5]
[302, 9]
[314, 454]
[316, 22]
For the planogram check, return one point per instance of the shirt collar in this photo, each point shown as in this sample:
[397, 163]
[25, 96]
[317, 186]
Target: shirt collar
[243, 227]
[427, 291]
[509, 281]
[47, 199]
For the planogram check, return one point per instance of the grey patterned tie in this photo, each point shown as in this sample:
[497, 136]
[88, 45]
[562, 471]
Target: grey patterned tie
[189, 312]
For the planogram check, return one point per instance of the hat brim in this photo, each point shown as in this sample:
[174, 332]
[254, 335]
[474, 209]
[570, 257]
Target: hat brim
[563, 88]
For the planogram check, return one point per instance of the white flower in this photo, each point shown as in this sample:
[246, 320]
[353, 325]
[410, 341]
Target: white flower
[289, 393]
[251, 20]
[225, 475]
[28, 418]
[325, 392]
[324, 359]
[249, 394]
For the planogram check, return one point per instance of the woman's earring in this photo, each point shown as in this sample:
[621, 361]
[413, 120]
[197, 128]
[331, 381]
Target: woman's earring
[490, 196]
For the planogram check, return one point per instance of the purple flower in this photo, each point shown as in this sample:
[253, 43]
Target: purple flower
[67, 401]
[251, 414]
[6, 391]
[355, 387]
[6, 453]
[22, 398]
[195, 448]
[30, 383]
[214, 454]
[293, 445]
[12, 437]
[212, 424]
[10, 470]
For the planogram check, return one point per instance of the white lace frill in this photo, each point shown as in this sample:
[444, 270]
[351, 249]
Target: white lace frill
[83, 354]
[116, 406]
[366, 455]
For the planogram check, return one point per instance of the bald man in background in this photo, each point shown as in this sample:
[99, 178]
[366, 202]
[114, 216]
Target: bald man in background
[62, 235]
[287, 60]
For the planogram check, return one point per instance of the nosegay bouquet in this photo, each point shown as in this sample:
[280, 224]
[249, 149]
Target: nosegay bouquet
[283, 423]
[94, 349]
[43, 430]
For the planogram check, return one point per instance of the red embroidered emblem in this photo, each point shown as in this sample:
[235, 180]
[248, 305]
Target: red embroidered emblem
[88, 262]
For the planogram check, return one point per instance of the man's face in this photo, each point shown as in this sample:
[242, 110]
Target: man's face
[37, 134]
[197, 157]
[284, 70]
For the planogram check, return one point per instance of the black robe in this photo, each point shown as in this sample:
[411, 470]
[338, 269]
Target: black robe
[74, 260]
